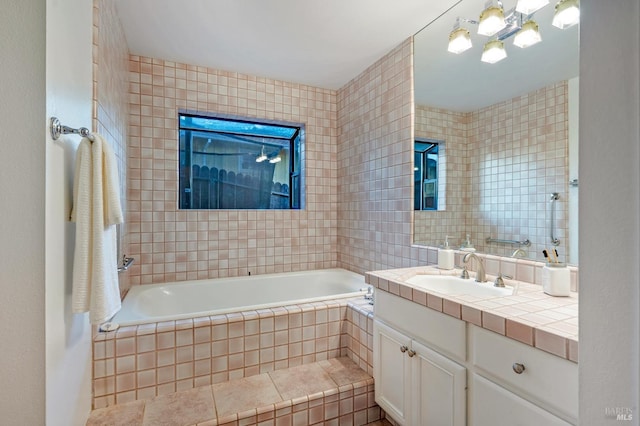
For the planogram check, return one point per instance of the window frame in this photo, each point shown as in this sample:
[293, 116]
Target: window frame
[424, 181]
[296, 195]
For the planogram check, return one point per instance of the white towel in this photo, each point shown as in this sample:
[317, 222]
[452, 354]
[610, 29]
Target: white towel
[96, 211]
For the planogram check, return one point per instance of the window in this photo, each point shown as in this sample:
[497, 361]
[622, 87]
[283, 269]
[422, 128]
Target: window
[239, 163]
[426, 175]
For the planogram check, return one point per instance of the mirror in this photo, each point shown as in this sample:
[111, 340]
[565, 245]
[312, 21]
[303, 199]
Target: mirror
[507, 138]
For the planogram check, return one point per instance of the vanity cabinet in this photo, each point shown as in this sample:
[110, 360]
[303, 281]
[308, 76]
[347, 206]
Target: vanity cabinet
[423, 361]
[514, 383]
[414, 383]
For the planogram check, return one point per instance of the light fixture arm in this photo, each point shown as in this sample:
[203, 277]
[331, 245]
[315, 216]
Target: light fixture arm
[471, 21]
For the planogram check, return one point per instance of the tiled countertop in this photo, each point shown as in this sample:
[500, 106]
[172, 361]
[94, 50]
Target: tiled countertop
[531, 316]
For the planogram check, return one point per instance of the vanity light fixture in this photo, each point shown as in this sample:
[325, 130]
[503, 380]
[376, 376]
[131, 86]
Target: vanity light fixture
[493, 52]
[527, 7]
[517, 22]
[261, 157]
[567, 14]
[491, 21]
[528, 35]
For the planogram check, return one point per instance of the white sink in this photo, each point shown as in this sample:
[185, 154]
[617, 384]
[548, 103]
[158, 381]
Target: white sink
[449, 284]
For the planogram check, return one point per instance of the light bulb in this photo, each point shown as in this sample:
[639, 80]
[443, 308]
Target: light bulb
[261, 157]
[567, 14]
[528, 35]
[491, 21]
[493, 52]
[459, 40]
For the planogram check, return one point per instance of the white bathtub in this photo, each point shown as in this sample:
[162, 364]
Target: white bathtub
[192, 299]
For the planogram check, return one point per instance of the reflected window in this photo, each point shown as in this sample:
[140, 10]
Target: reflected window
[426, 175]
[232, 163]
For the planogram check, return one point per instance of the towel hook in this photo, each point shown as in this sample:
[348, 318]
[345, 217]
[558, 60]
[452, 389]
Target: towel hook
[57, 129]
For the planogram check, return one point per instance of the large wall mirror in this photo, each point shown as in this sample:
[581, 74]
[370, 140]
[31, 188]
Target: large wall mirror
[506, 169]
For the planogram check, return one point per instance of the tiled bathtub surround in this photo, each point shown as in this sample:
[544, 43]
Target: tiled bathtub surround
[140, 362]
[172, 245]
[504, 161]
[531, 317]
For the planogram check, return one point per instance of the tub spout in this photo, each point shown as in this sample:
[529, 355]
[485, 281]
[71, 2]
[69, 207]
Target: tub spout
[369, 295]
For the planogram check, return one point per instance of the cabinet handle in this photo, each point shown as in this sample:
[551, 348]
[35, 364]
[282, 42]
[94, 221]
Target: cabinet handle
[411, 353]
[403, 349]
[518, 368]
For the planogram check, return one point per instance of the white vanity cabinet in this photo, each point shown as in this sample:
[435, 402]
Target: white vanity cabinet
[415, 384]
[516, 384]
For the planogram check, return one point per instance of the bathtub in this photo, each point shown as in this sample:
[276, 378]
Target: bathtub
[192, 299]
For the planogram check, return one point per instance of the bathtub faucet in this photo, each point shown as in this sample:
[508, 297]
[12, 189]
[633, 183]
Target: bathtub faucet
[369, 295]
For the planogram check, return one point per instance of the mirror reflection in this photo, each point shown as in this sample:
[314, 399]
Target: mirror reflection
[505, 136]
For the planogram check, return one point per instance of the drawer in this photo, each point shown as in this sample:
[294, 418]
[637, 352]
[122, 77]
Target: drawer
[494, 405]
[435, 329]
[547, 380]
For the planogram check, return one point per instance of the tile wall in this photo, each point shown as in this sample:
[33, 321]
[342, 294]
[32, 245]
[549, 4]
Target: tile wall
[450, 128]
[173, 245]
[515, 154]
[141, 362]
[519, 151]
[375, 166]
[111, 101]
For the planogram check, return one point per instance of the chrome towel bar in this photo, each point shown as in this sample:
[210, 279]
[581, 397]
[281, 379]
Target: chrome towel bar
[554, 197]
[526, 242]
[58, 129]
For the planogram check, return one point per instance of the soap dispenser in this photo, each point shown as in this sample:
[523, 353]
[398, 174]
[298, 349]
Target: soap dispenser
[467, 246]
[446, 256]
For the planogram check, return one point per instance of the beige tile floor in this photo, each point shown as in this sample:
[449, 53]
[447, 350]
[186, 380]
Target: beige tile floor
[201, 405]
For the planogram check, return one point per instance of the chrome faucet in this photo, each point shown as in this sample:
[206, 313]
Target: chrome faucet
[480, 275]
[519, 253]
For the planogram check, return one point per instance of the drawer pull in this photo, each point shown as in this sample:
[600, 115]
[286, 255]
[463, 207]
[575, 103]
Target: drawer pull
[518, 368]
[411, 353]
[403, 349]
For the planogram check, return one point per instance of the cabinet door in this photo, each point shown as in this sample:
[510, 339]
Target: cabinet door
[391, 371]
[439, 387]
[494, 405]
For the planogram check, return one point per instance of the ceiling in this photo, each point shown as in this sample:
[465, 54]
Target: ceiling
[322, 43]
[326, 43]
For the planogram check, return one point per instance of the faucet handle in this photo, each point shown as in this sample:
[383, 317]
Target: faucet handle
[464, 274]
[499, 282]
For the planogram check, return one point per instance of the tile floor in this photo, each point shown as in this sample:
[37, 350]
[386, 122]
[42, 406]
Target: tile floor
[332, 392]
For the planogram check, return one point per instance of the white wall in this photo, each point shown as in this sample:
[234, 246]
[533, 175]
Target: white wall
[22, 169]
[609, 209]
[69, 95]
